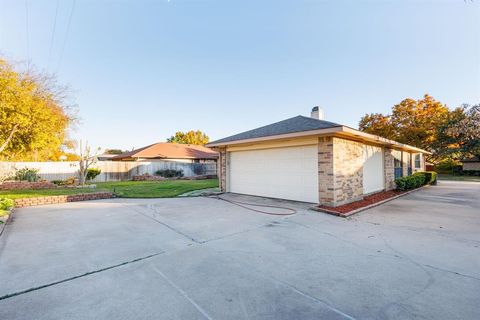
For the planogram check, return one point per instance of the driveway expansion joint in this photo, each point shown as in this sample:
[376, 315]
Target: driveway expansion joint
[11, 295]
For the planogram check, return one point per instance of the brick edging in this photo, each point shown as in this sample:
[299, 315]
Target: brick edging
[348, 214]
[37, 201]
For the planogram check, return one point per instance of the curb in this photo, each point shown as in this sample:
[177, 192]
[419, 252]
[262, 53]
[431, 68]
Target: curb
[350, 213]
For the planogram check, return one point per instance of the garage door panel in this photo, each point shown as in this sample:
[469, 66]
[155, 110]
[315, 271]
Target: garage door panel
[287, 173]
[373, 175]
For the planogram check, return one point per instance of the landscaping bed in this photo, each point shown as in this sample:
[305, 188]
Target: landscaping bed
[353, 207]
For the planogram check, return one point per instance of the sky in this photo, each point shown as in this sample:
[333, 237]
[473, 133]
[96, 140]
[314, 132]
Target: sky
[141, 70]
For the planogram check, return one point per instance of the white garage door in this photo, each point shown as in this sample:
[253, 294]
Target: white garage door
[286, 173]
[372, 169]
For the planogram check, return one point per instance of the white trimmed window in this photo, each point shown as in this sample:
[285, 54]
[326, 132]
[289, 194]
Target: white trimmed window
[418, 162]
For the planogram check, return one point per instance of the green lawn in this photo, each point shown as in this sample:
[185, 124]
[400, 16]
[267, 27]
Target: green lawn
[458, 178]
[156, 189]
[124, 189]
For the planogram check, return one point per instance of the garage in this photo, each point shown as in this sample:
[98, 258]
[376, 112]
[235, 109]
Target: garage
[285, 173]
[373, 175]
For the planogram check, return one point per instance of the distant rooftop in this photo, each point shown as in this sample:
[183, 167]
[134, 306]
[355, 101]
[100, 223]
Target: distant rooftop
[166, 150]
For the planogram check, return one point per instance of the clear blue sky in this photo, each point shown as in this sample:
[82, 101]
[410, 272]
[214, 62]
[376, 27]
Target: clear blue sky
[142, 70]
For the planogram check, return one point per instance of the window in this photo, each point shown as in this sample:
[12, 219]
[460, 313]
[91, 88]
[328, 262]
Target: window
[397, 163]
[417, 161]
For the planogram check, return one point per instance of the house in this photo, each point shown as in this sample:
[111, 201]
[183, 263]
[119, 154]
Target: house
[312, 160]
[471, 163]
[170, 151]
[105, 157]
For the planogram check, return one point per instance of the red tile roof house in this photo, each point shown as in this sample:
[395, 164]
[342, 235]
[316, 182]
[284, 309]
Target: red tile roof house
[187, 153]
[313, 160]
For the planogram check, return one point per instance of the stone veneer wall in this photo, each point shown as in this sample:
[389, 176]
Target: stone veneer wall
[348, 161]
[389, 170]
[222, 169]
[20, 185]
[340, 171]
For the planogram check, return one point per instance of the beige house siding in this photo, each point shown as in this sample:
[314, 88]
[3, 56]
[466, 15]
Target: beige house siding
[471, 166]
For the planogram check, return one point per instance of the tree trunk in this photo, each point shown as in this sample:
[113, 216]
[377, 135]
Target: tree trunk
[10, 136]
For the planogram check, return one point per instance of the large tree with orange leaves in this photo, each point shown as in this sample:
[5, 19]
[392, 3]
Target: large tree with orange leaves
[414, 122]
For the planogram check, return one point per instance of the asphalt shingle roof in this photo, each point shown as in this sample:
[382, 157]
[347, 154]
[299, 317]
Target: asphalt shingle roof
[295, 124]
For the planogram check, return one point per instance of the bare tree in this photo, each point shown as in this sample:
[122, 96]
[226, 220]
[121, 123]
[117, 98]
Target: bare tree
[86, 158]
[7, 171]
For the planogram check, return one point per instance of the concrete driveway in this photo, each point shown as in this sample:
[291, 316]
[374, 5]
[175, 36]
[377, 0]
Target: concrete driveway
[199, 258]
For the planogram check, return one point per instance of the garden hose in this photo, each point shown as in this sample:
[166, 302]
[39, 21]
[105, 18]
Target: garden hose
[245, 204]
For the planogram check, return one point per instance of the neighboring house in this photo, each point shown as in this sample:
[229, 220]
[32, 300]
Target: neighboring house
[171, 152]
[105, 157]
[471, 164]
[312, 160]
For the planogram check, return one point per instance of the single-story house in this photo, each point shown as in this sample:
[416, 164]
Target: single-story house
[312, 160]
[188, 153]
[471, 163]
[105, 157]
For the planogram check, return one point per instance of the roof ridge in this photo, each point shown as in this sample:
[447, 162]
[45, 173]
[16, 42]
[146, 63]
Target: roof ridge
[297, 123]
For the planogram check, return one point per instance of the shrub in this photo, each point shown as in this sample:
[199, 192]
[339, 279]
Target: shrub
[410, 182]
[169, 173]
[92, 173]
[70, 181]
[6, 204]
[57, 182]
[468, 173]
[416, 180]
[27, 174]
[430, 177]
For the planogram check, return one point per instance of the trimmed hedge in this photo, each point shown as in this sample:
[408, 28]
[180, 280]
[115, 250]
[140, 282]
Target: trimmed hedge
[169, 173]
[416, 180]
[475, 173]
[431, 177]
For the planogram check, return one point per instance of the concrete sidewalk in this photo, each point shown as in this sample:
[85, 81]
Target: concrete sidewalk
[201, 258]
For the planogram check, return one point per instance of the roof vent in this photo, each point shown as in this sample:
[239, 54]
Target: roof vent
[317, 113]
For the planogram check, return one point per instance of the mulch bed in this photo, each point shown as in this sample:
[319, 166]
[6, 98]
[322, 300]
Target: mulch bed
[368, 200]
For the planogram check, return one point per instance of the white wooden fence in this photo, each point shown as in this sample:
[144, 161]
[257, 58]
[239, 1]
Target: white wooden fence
[110, 170]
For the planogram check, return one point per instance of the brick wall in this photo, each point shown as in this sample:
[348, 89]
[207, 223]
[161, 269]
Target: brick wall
[28, 202]
[388, 165]
[348, 161]
[222, 169]
[16, 185]
[325, 171]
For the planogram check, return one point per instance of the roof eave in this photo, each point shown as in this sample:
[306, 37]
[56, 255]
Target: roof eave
[342, 131]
